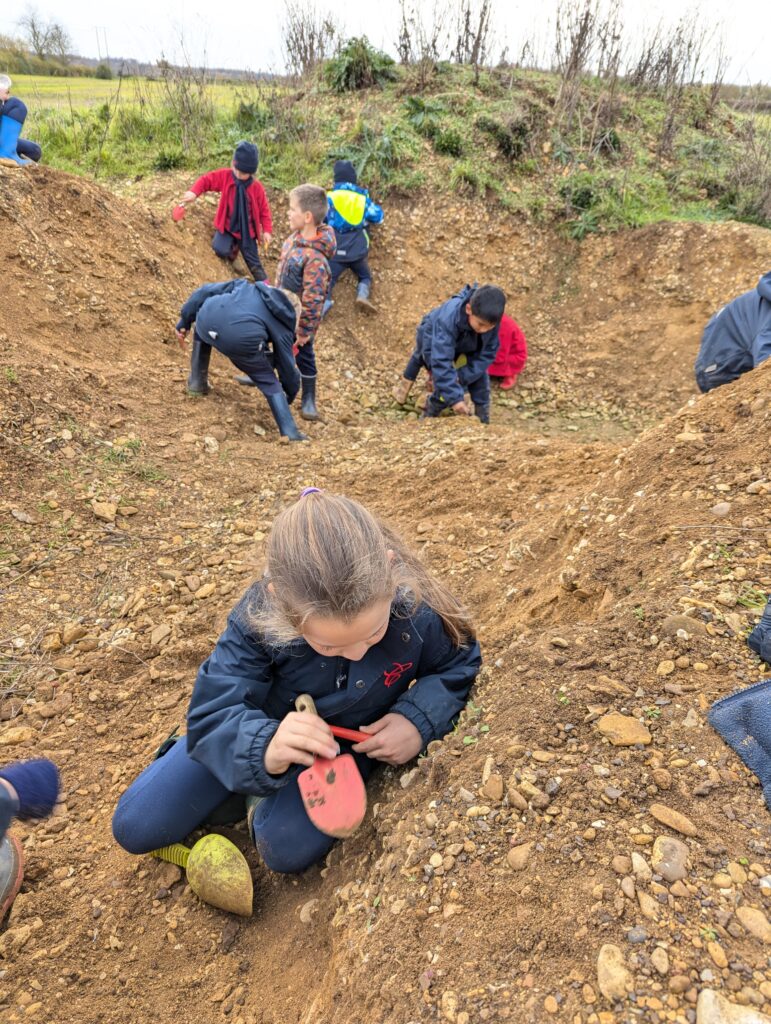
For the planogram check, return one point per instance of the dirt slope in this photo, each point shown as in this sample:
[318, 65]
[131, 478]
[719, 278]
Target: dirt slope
[588, 538]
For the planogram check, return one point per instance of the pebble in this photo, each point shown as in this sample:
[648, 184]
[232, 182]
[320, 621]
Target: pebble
[17, 734]
[636, 935]
[621, 865]
[623, 731]
[670, 858]
[691, 720]
[105, 510]
[717, 953]
[307, 910]
[640, 867]
[721, 510]
[665, 668]
[493, 788]
[660, 960]
[674, 819]
[613, 978]
[712, 1008]
[755, 922]
[518, 856]
[551, 1005]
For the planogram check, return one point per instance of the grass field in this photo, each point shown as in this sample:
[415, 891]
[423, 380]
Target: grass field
[47, 92]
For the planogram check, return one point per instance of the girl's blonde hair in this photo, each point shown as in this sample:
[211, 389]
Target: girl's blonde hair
[328, 556]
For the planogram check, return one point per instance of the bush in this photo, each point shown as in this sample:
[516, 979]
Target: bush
[449, 141]
[103, 70]
[359, 66]
[169, 160]
[376, 153]
[425, 116]
[510, 134]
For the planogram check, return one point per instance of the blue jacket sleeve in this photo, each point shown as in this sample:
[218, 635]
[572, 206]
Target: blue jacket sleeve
[197, 299]
[444, 678]
[227, 731]
[761, 347]
[478, 362]
[441, 344]
[372, 212]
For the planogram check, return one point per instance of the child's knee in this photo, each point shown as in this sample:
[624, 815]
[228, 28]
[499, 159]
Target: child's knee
[128, 829]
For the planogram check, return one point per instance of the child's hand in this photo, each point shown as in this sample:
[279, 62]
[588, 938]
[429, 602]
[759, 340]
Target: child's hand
[394, 740]
[461, 409]
[181, 335]
[188, 197]
[267, 238]
[299, 737]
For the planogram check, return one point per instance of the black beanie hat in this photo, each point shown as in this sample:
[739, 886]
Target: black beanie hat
[246, 157]
[345, 171]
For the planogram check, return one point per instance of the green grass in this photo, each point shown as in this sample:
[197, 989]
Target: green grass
[499, 138]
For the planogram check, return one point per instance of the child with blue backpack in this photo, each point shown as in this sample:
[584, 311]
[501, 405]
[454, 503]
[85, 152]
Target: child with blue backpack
[346, 613]
[350, 211]
[13, 114]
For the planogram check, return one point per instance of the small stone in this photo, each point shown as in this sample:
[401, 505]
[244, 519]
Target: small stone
[662, 778]
[558, 641]
[640, 867]
[622, 730]
[106, 510]
[518, 856]
[660, 960]
[722, 880]
[621, 865]
[670, 858]
[673, 819]
[737, 873]
[755, 922]
[717, 953]
[16, 735]
[307, 910]
[649, 907]
[721, 510]
[160, 633]
[628, 887]
[712, 1008]
[673, 623]
[691, 720]
[636, 935]
[72, 632]
[493, 788]
[551, 1005]
[211, 444]
[665, 668]
[613, 978]
[205, 591]
[449, 1006]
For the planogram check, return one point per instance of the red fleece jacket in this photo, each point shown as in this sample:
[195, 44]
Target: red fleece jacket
[260, 222]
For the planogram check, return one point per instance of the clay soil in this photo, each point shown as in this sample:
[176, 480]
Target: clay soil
[605, 499]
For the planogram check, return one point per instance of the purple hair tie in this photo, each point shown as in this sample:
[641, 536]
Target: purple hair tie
[309, 490]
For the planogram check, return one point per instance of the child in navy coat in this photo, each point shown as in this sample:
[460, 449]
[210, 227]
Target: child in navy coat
[457, 342]
[346, 613]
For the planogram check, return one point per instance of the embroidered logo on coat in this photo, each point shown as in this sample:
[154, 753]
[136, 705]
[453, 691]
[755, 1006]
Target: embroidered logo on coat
[393, 675]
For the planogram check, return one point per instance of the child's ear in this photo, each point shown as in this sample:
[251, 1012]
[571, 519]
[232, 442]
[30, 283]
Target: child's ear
[271, 589]
[391, 554]
[468, 309]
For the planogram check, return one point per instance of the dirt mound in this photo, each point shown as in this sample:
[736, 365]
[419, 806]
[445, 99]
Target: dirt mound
[132, 516]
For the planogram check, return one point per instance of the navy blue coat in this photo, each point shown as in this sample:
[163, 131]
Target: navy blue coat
[14, 108]
[737, 338]
[241, 318]
[445, 334]
[247, 686]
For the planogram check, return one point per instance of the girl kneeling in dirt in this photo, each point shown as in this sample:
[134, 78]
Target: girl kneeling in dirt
[345, 613]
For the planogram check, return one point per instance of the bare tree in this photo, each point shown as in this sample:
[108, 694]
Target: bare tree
[573, 50]
[472, 33]
[45, 38]
[309, 36]
[423, 38]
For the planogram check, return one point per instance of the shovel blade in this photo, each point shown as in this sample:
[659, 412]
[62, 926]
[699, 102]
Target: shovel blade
[334, 796]
[219, 874]
[178, 212]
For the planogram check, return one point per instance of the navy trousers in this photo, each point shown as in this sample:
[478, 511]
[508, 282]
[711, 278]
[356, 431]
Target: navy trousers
[359, 267]
[255, 364]
[306, 360]
[226, 246]
[175, 794]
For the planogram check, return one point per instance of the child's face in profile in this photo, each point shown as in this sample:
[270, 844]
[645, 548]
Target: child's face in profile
[4, 94]
[476, 324]
[297, 218]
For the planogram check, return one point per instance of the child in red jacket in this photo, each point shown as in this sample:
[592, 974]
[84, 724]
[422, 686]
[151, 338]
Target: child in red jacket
[243, 216]
[512, 353]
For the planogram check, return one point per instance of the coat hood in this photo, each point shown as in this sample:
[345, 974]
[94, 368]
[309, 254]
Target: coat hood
[764, 287]
[278, 304]
[324, 242]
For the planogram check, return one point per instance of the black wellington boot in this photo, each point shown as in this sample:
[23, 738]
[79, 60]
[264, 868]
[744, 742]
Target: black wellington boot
[482, 412]
[433, 407]
[198, 381]
[308, 409]
[282, 414]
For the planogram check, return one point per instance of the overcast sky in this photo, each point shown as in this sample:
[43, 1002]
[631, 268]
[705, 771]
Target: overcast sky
[248, 35]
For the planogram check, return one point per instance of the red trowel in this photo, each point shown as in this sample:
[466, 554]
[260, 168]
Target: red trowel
[332, 789]
[178, 212]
